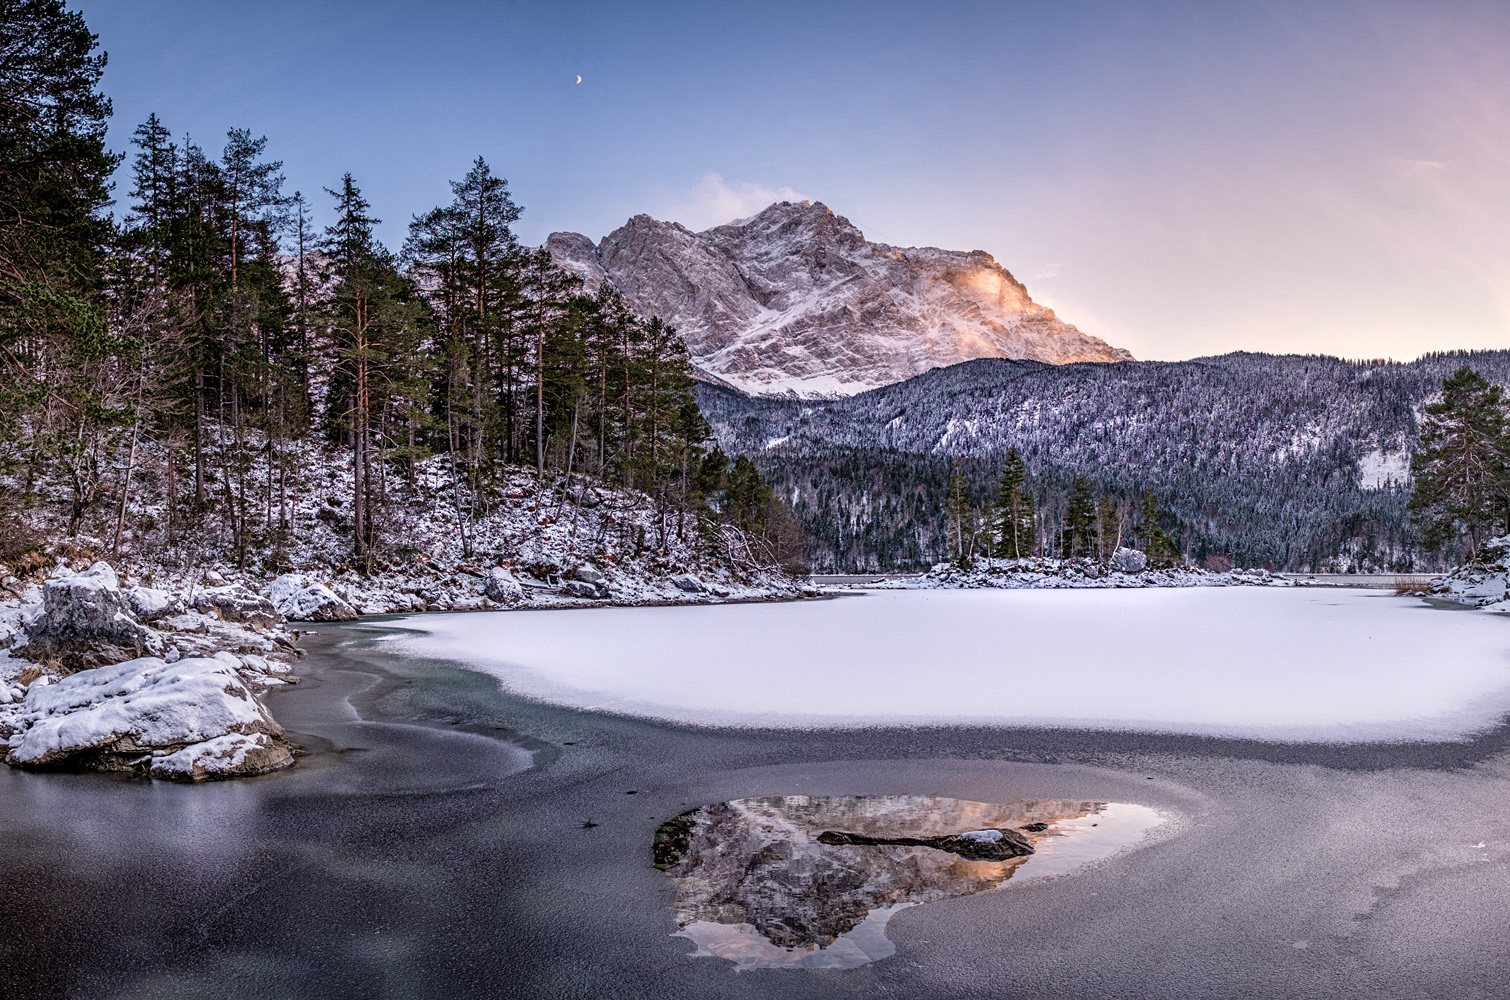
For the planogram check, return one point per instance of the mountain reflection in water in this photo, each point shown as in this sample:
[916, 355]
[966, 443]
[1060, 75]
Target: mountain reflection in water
[756, 886]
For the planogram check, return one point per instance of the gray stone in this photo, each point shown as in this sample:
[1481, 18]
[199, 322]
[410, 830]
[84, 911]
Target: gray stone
[126, 716]
[236, 603]
[150, 605]
[234, 755]
[688, 583]
[588, 574]
[1129, 560]
[501, 587]
[299, 599]
[577, 588]
[86, 620]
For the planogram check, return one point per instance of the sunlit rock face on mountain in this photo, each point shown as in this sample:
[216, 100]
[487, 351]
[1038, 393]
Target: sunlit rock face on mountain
[795, 301]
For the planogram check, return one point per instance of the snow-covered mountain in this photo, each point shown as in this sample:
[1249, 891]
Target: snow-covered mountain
[795, 301]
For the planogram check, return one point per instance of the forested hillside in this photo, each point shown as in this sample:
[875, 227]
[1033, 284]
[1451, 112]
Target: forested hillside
[165, 366]
[1286, 462]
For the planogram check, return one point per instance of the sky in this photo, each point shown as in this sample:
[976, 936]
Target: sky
[1180, 179]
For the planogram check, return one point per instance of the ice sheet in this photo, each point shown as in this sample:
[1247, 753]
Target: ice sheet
[1303, 664]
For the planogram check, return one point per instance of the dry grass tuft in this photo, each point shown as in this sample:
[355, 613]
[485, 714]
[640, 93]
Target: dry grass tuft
[1412, 585]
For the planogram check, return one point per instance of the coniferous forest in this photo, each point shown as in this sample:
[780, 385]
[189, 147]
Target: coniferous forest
[1287, 462]
[173, 345]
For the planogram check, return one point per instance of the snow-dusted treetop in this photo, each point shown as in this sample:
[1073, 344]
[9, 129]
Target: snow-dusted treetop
[795, 301]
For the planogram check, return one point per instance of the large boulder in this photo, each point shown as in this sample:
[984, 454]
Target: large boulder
[1129, 560]
[577, 588]
[235, 603]
[86, 620]
[302, 600]
[688, 583]
[501, 587]
[127, 716]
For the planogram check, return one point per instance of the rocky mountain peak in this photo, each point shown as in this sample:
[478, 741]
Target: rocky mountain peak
[795, 301]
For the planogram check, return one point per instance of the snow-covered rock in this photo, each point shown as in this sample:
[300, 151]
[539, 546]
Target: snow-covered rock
[1483, 584]
[688, 583]
[577, 588]
[114, 717]
[150, 605]
[588, 574]
[500, 586]
[300, 599]
[86, 620]
[795, 300]
[1130, 560]
[236, 603]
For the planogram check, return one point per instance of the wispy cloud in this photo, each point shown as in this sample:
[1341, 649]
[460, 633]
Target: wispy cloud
[713, 201]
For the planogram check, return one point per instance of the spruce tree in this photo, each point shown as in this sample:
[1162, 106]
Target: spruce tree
[1157, 543]
[376, 328]
[1014, 509]
[1080, 520]
[1462, 464]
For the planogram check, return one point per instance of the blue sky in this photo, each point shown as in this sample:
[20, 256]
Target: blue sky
[1178, 178]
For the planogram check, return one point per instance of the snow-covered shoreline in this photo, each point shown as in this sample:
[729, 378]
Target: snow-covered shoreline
[1127, 568]
[97, 676]
[1484, 584]
[67, 618]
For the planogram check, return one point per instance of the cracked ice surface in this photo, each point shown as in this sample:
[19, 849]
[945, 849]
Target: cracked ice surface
[1301, 664]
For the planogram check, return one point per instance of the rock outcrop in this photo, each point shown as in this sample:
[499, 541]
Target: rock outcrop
[795, 301]
[235, 603]
[973, 845]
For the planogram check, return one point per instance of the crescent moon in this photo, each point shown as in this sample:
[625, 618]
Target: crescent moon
[579, 79]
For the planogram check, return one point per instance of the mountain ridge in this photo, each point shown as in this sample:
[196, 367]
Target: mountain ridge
[794, 301]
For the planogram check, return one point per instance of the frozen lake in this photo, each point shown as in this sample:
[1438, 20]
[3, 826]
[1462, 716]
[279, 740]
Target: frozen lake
[1285, 664]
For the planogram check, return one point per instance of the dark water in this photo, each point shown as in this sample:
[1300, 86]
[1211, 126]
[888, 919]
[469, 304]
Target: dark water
[414, 853]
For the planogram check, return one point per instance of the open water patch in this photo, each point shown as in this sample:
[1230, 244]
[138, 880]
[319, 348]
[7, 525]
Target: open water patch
[804, 881]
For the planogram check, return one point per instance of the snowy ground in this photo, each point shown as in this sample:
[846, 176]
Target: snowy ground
[1290, 664]
[431, 558]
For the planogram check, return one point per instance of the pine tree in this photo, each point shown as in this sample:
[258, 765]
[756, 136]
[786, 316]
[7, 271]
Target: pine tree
[1079, 533]
[60, 388]
[468, 250]
[1157, 544]
[375, 325]
[1014, 509]
[1462, 464]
